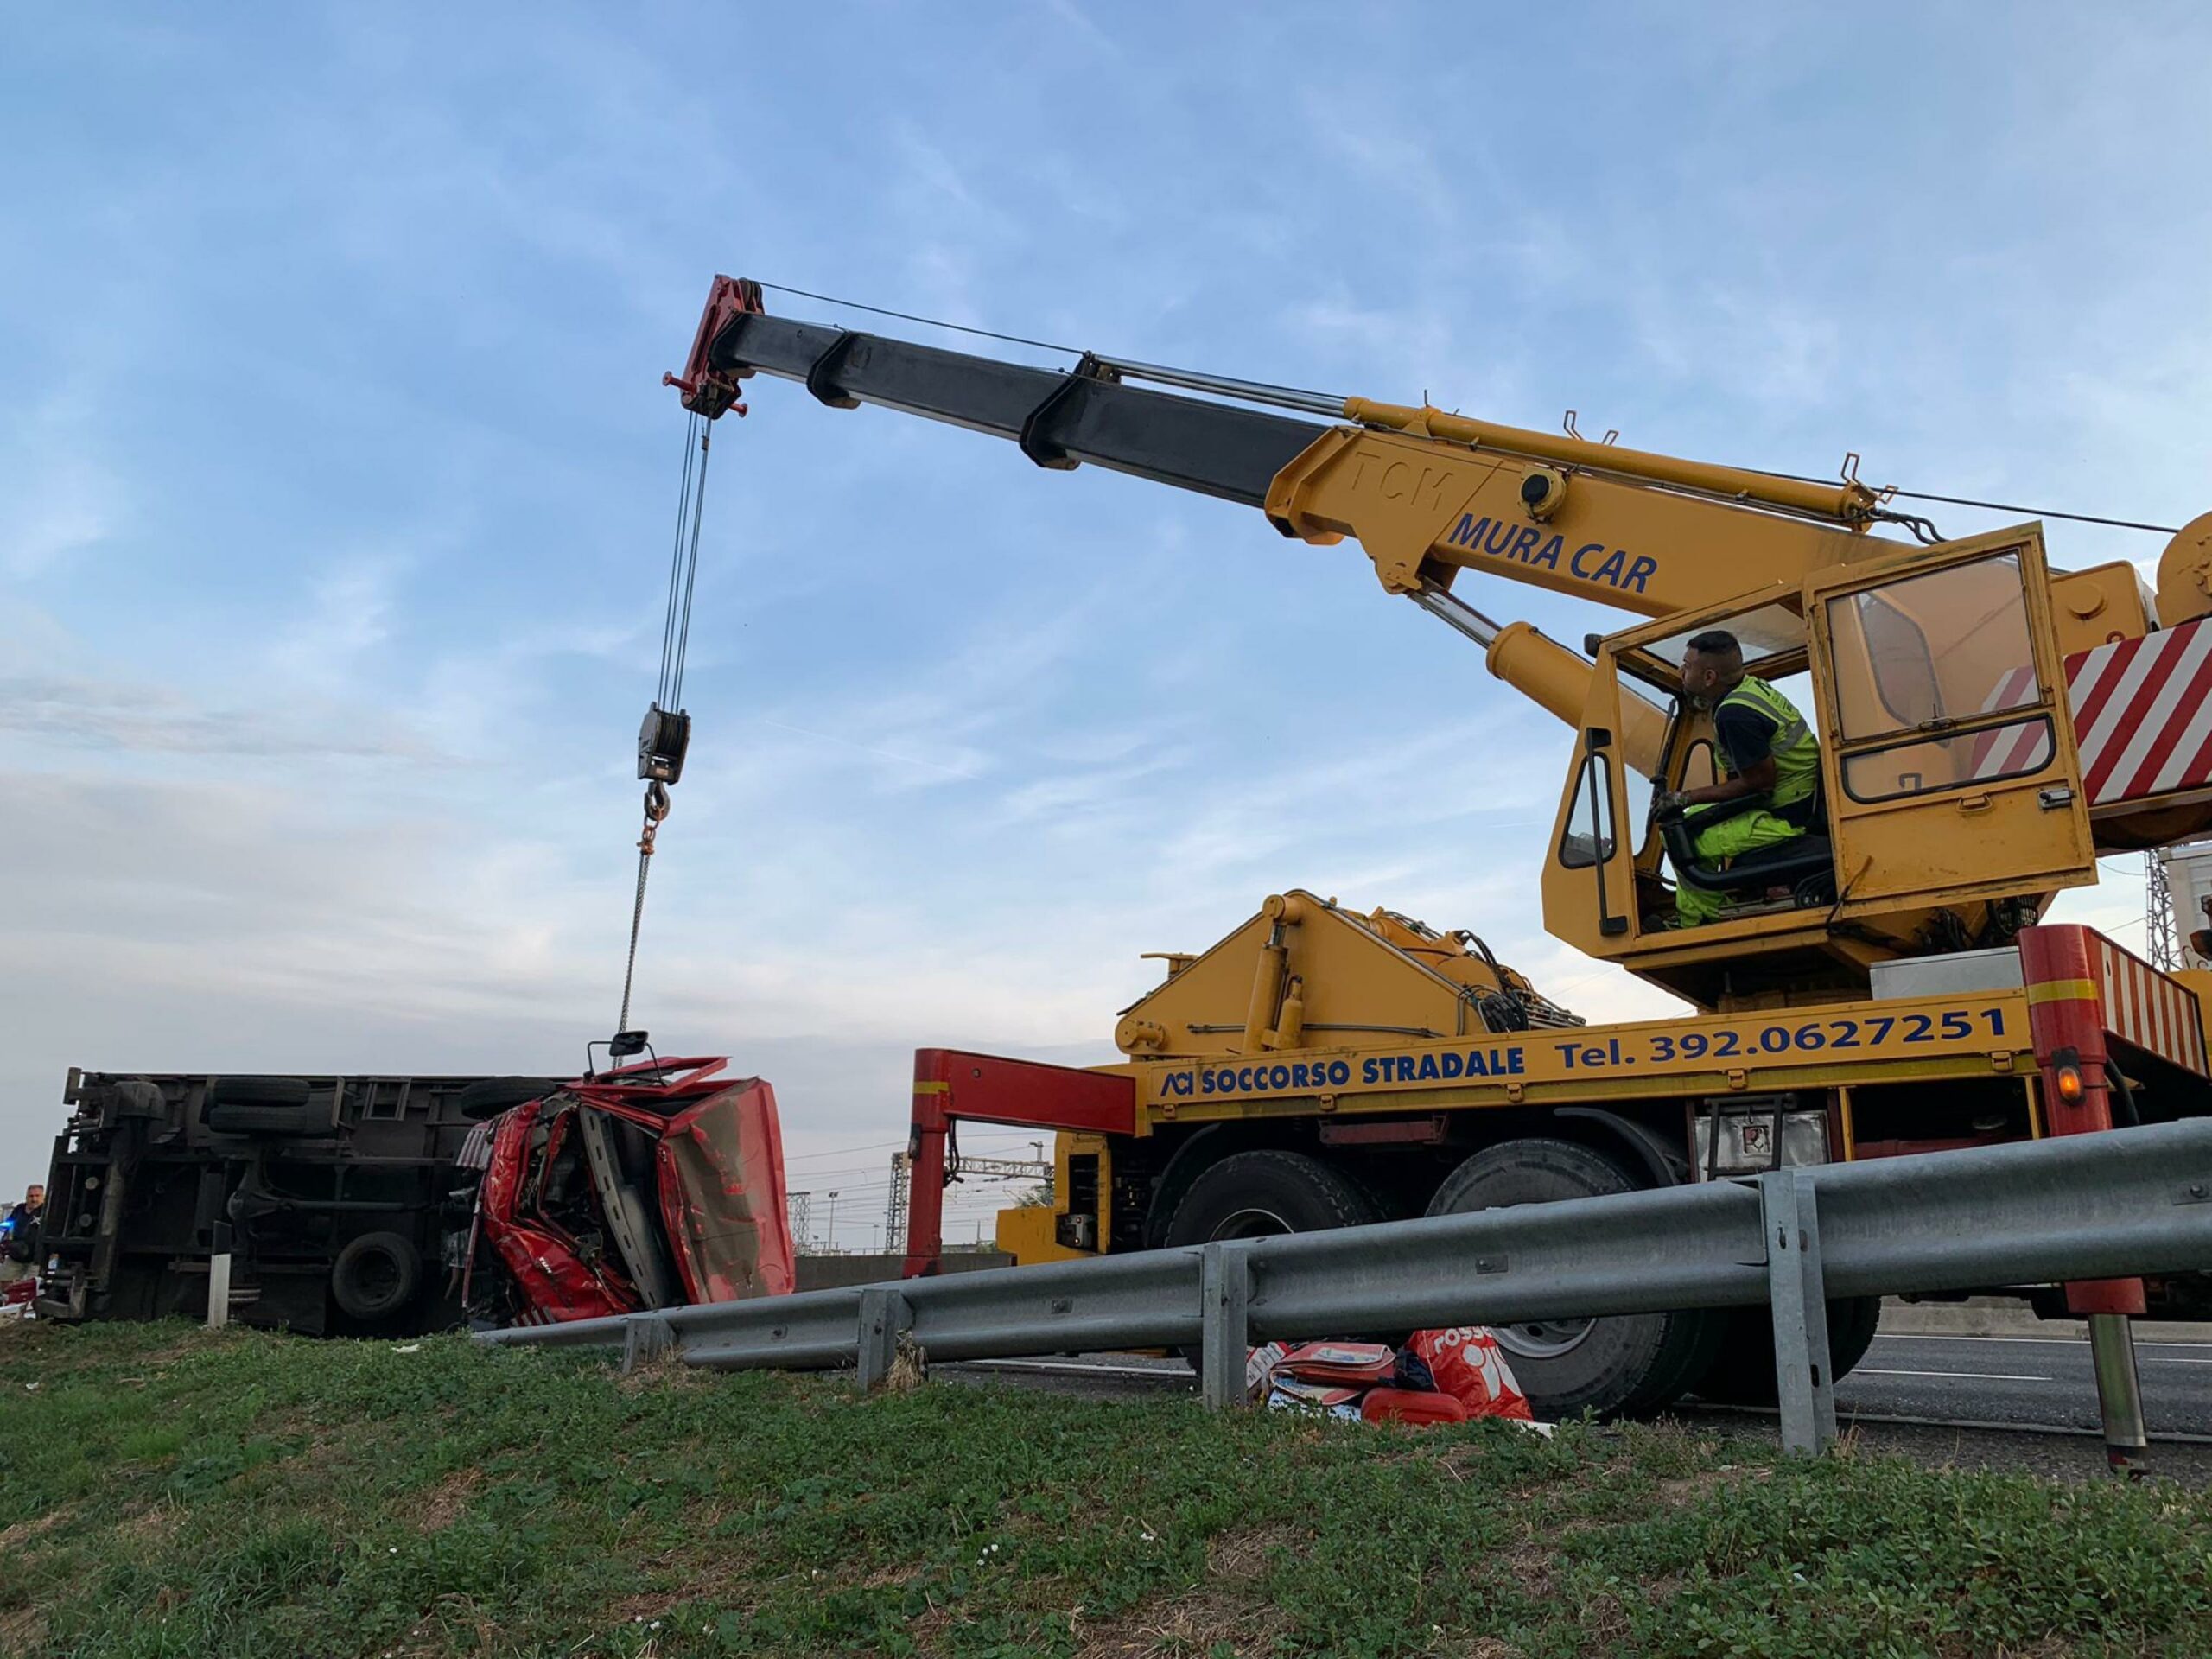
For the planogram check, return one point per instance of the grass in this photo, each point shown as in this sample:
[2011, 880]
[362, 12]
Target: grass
[166, 1492]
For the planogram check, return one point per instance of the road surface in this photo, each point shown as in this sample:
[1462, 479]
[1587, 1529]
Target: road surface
[2036, 1382]
[1980, 1401]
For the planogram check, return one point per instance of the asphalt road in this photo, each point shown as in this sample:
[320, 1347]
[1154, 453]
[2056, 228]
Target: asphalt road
[1984, 1401]
[2033, 1381]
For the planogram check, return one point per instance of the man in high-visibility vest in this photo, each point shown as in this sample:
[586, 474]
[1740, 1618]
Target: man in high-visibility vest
[1771, 792]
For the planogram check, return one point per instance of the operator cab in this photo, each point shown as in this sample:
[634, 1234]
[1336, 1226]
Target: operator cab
[1794, 873]
[1948, 807]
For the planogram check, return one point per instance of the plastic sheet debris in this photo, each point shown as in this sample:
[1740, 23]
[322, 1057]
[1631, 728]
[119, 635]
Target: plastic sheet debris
[1438, 1376]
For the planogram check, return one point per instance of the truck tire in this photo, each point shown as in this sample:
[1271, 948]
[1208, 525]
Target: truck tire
[1263, 1192]
[1614, 1367]
[1256, 1194]
[237, 1118]
[1742, 1372]
[489, 1097]
[258, 1091]
[375, 1276]
[227, 1119]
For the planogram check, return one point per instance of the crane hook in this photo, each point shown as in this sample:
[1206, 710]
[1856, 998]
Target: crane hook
[657, 804]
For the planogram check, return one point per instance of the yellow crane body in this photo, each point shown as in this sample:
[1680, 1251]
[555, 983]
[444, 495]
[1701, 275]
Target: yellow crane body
[1884, 983]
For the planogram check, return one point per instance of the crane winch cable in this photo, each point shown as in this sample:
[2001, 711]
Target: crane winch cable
[667, 733]
[1328, 402]
[2041, 513]
[927, 322]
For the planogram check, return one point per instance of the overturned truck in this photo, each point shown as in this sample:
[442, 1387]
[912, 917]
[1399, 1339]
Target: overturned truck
[396, 1205]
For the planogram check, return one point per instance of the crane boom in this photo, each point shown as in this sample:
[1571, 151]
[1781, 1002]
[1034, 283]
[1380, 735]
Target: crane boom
[1426, 493]
[1059, 419]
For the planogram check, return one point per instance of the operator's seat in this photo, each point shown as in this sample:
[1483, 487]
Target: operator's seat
[1805, 865]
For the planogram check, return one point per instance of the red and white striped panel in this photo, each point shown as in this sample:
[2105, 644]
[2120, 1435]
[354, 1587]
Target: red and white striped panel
[2145, 1007]
[2008, 751]
[2143, 714]
[2142, 717]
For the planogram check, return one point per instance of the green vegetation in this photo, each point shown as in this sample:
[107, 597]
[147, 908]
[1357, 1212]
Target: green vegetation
[166, 1492]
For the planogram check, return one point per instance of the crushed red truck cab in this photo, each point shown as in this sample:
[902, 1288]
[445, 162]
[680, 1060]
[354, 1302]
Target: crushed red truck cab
[654, 1186]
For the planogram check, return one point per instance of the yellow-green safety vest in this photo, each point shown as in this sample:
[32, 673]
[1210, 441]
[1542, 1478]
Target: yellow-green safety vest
[1796, 751]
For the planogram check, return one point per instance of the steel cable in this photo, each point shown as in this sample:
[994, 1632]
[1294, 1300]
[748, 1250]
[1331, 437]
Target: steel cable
[675, 648]
[637, 920]
[2040, 512]
[676, 559]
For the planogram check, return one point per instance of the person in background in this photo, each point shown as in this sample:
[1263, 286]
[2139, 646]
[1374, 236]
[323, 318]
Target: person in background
[21, 1227]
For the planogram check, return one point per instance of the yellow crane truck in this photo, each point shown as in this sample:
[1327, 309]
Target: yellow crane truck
[1882, 985]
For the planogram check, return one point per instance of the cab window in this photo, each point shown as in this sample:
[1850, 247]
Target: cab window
[1986, 756]
[1589, 836]
[1934, 650]
[1934, 662]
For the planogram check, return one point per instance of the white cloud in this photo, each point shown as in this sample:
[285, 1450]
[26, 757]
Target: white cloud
[59, 494]
[348, 615]
[74, 712]
[1081, 26]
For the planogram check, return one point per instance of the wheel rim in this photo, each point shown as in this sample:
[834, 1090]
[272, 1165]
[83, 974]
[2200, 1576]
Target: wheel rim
[375, 1278]
[1543, 1339]
[1250, 1222]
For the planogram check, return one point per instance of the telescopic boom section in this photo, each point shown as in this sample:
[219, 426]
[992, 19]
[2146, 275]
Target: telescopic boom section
[1426, 493]
[1059, 419]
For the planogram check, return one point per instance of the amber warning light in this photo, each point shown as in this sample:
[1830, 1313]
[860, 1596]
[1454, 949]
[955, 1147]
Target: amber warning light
[2066, 1073]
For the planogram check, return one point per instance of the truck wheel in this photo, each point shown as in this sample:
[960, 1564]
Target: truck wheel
[226, 1117]
[1629, 1363]
[1742, 1373]
[259, 1106]
[375, 1276]
[1263, 1193]
[489, 1097]
[1256, 1194]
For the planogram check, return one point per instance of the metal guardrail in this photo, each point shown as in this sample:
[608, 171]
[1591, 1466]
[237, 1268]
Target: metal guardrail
[2092, 1206]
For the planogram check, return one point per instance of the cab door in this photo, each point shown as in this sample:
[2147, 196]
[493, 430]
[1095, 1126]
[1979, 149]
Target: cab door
[1947, 747]
[1589, 887]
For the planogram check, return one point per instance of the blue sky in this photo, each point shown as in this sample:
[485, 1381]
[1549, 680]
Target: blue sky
[335, 480]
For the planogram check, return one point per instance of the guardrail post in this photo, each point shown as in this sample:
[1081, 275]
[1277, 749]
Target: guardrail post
[883, 1316]
[645, 1339]
[1797, 1293]
[1225, 1281]
[2119, 1395]
[219, 1290]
